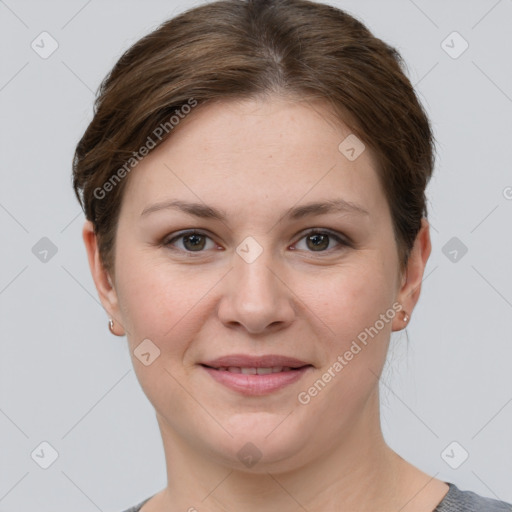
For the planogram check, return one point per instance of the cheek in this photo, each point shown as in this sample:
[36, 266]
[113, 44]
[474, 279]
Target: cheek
[350, 299]
[355, 343]
[161, 301]
[161, 306]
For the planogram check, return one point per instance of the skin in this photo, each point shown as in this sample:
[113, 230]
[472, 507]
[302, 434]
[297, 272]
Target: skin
[256, 159]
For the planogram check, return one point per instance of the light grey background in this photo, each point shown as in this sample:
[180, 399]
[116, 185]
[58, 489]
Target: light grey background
[66, 380]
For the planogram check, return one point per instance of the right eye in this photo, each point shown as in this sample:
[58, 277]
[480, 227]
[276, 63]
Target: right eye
[192, 241]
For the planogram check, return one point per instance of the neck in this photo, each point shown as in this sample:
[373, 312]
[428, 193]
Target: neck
[359, 472]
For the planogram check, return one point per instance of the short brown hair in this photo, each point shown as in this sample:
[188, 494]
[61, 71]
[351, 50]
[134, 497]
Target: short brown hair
[247, 48]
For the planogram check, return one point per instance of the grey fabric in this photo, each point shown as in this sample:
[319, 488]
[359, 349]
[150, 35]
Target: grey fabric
[454, 501]
[137, 508]
[467, 501]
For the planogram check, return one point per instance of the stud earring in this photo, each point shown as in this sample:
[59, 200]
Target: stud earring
[111, 325]
[406, 317]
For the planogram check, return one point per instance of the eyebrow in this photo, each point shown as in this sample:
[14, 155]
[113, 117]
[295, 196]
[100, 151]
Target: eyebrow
[207, 212]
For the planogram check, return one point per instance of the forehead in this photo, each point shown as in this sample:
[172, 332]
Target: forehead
[257, 152]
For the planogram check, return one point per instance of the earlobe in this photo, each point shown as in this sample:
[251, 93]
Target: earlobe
[101, 277]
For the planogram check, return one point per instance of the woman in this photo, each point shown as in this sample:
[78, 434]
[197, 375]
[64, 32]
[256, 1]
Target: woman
[254, 185]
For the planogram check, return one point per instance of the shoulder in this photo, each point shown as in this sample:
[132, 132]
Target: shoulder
[456, 500]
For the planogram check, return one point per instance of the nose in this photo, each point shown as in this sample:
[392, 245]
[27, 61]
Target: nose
[256, 296]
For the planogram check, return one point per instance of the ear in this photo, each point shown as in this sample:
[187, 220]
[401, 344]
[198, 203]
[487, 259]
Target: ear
[410, 288]
[101, 277]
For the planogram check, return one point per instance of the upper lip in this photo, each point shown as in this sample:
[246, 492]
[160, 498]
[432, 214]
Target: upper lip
[246, 361]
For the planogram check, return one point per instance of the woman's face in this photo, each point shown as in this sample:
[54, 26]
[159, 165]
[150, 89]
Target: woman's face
[254, 282]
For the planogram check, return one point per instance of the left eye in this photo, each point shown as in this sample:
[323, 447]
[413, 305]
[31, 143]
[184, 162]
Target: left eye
[319, 241]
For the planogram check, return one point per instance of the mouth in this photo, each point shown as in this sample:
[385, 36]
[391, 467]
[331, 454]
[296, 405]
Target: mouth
[256, 375]
[254, 371]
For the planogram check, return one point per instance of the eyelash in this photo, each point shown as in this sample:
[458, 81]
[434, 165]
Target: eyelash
[333, 235]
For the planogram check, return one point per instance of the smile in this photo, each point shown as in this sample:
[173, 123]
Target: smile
[256, 380]
[255, 371]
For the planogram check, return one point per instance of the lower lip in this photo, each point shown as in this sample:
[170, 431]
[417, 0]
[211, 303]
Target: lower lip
[257, 385]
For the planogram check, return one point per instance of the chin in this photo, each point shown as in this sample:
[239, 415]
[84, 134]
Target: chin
[261, 443]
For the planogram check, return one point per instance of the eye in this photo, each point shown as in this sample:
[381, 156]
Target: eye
[192, 241]
[319, 241]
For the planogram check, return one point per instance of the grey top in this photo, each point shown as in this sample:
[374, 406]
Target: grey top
[455, 500]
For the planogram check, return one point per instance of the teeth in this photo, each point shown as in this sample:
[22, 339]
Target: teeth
[255, 371]
[263, 371]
